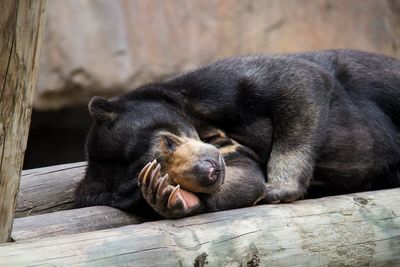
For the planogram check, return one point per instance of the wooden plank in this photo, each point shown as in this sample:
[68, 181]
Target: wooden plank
[48, 189]
[71, 222]
[351, 230]
[21, 27]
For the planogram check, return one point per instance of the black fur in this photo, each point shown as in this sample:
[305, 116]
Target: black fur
[331, 117]
[119, 146]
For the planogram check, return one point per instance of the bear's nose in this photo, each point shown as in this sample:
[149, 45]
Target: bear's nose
[208, 171]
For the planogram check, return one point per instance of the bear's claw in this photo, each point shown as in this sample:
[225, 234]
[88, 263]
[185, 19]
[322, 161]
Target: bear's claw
[275, 194]
[162, 184]
[145, 171]
[175, 197]
[167, 200]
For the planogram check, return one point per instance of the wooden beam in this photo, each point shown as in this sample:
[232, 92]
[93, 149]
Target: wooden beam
[48, 189]
[351, 230]
[21, 27]
[71, 222]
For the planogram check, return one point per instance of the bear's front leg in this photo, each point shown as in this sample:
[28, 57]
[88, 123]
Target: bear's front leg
[167, 200]
[289, 174]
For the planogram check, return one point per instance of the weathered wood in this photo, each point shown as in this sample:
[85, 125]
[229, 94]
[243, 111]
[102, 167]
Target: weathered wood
[71, 222]
[21, 27]
[48, 189]
[351, 230]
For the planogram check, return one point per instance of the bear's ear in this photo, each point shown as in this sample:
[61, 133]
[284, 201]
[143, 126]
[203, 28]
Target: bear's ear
[101, 109]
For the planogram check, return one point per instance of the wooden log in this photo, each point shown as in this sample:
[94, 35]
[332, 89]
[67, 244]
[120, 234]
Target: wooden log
[21, 27]
[351, 230]
[48, 189]
[71, 222]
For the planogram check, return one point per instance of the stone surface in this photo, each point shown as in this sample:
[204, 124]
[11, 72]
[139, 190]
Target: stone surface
[107, 47]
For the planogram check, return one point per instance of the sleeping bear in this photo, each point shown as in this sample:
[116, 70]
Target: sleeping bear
[188, 172]
[329, 118]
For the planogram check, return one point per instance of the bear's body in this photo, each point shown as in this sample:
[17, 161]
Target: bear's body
[329, 117]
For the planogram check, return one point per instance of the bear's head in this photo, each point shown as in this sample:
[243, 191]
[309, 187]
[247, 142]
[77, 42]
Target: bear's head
[129, 133]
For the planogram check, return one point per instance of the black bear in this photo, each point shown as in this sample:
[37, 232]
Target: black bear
[330, 117]
[197, 176]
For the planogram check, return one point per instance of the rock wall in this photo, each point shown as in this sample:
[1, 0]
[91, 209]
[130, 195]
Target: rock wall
[106, 47]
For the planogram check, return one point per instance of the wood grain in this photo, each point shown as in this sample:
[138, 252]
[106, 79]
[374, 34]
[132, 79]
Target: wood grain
[21, 27]
[351, 230]
[48, 189]
[71, 222]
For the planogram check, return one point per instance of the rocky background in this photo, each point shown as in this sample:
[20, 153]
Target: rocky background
[103, 47]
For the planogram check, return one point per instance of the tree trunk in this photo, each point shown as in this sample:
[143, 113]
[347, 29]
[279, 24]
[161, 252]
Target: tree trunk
[74, 221]
[21, 26]
[48, 189]
[360, 229]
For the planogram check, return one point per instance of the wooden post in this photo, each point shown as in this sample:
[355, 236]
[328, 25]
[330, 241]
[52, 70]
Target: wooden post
[21, 27]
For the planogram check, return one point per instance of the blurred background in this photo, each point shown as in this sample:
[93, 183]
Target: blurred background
[104, 47]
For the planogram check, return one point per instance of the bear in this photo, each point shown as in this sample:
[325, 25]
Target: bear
[329, 118]
[185, 188]
[200, 175]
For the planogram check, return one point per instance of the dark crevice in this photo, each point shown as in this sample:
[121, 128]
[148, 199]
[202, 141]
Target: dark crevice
[57, 137]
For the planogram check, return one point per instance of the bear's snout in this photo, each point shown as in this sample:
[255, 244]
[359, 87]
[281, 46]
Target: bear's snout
[210, 171]
[197, 167]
